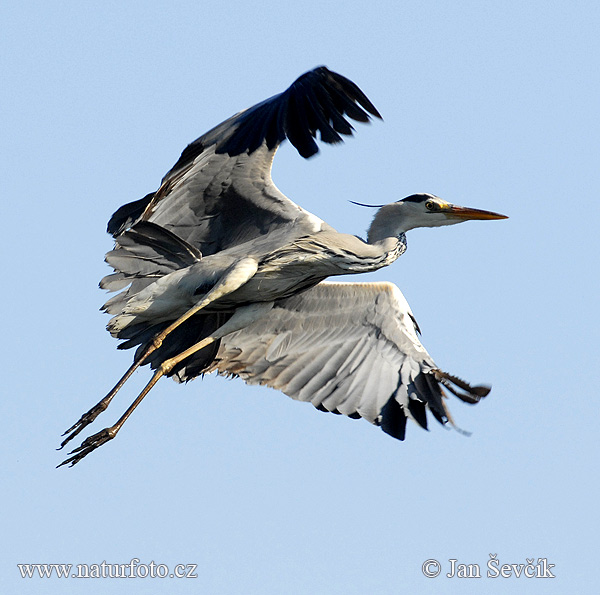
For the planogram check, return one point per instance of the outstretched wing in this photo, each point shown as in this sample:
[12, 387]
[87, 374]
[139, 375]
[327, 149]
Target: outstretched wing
[348, 348]
[220, 192]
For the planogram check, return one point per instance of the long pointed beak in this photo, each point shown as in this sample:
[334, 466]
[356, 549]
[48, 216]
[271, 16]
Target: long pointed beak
[466, 213]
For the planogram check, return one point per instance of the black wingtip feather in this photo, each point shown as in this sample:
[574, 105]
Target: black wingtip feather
[317, 101]
[393, 419]
[418, 411]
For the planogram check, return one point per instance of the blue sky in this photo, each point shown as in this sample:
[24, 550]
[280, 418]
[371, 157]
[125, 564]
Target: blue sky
[489, 105]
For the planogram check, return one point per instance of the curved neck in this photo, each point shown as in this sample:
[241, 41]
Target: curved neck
[387, 223]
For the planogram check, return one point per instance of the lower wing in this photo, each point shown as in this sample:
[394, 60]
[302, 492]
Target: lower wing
[348, 348]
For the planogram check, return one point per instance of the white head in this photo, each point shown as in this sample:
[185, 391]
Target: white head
[421, 210]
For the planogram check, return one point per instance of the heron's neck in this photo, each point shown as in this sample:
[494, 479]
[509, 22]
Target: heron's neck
[387, 223]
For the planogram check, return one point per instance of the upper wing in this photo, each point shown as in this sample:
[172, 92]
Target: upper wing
[349, 348]
[220, 192]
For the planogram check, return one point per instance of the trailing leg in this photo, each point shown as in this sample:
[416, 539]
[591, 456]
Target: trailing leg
[236, 276]
[243, 317]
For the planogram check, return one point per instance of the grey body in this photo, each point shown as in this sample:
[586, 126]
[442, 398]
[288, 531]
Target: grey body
[284, 268]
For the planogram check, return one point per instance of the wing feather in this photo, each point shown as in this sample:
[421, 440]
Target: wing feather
[349, 348]
[227, 171]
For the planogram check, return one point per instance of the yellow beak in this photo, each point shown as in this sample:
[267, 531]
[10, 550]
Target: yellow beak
[466, 213]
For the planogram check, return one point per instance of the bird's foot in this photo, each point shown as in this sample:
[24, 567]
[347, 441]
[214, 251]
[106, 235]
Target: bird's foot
[85, 420]
[90, 444]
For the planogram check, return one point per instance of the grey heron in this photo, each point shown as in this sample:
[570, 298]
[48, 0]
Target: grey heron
[220, 271]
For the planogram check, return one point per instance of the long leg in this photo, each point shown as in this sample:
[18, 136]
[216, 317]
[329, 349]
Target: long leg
[242, 318]
[233, 279]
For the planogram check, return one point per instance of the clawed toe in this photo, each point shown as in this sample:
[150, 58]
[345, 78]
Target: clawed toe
[88, 445]
[85, 420]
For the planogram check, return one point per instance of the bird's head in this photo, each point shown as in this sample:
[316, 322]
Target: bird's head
[421, 210]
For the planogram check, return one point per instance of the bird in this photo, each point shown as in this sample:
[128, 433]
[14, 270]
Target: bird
[219, 271]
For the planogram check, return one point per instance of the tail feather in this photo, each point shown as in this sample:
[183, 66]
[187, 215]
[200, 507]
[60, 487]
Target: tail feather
[143, 254]
[147, 250]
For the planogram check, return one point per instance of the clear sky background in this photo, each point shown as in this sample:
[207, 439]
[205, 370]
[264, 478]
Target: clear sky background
[491, 105]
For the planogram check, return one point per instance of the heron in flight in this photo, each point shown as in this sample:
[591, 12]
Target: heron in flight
[219, 271]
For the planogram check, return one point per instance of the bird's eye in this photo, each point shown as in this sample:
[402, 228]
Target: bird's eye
[430, 205]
